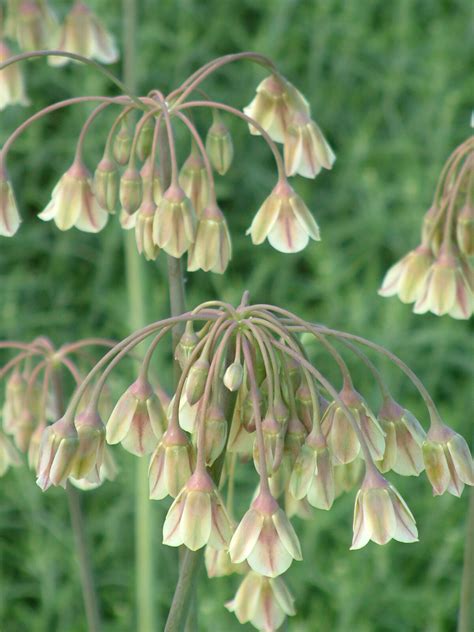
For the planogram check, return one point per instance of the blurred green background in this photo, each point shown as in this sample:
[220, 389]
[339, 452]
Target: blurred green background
[389, 85]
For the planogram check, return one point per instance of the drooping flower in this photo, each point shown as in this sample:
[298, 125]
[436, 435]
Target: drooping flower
[306, 149]
[171, 464]
[285, 220]
[34, 25]
[264, 601]
[174, 226]
[219, 146]
[12, 86]
[106, 471]
[90, 452]
[8, 454]
[194, 181]
[407, 277]
[58, 448]
[84, 34]
[212, 249]
[313, 474]
[448, 461]
[381, 514]
[73, 202]
[9, 216]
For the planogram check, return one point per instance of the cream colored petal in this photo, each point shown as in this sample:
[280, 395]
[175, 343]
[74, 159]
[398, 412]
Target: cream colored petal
[321, 493]
[171, 527]
[269, 615]
[246, 536]
[303, 472]
[247, 599]
[221, 531]
[436, 467]
[140, 438]
[391, 280]
[119, 421]
[305, 218]
[196, 521]
[361, 532]
[157, 486]
[269, 556]
[265, 219]
[462, 459]
[406, 530]
[287, 534]
[379, 514]
[287, 234]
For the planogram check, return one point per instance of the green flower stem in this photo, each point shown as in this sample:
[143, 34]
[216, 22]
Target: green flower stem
[144, 549]
[89, 594]
[466, 608]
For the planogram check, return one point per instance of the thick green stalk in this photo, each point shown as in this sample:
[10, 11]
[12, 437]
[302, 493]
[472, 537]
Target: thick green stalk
[144, 576]
[466, 609]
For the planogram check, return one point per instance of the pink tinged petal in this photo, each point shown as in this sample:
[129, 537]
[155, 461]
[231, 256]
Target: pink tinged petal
[63, 461]
[463, 305]
[247, 599]
[156, 415]
[265, 219]
[157, 483]
[283, 596]
[293, 151]
[269, 556]
[323, 153]
[221, 531]
[361, 532]
[246, 536]
[178, 468]
[391, 280]
[93, 218]
[462, 459]
[379, 514]
[414, 427]
[406, 530]
[456, 485]
[9, 217]
[121, 418]
[342, 439]
[436, 467]
[409, 459]
[102, 43]
[390, 452]
[322, 490]
[303, 472]
[373, 434]
[196, 521]
[287, 234]
[269, 616]
[171, 527]
[140, 438]
[287, 534]
[305, 218]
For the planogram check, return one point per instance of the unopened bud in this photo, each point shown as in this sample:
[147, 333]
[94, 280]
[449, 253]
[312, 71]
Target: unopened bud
[122, 144]
[233, 376]
[215, 432]
[145, 139]
[196, 380]
[219, 147]
[131, 190]
[144, 230]
[194, 181]
[465, 230]
[174, 228]
[106, 184]
[9, 215]
[186, 345]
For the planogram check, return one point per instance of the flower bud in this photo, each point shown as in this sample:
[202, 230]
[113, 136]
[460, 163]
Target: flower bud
[122, 145]
[264, 601]
[234, 376]
[274, 441]
[74, 204]
[432, 229]
[212, 249]
[8, 455]
[131, 190]
[306, 149]
[294, 438]
[144, 230]
[186, 345]
[407, 277]
[151, 180]
[23, 430]
[196, 380]
[446, 290]
[9, 216]
[58, 448]
[174, 228]
[138, 419]
[240, 439]
[219, 146]
[465, 230]
[276, 103]
[171, 464]
[265, 538]
[90, 453]
[84, 34]
[448, 461]
[145, 139]
[12, 86]
[215, 432]
[198, 516]
[15, 400]
[194, 181]
[285, 220]
[106, 184]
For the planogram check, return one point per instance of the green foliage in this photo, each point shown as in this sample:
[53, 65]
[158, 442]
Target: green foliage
[387, 82]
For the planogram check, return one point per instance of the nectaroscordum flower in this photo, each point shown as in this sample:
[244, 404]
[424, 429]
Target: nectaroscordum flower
[381, 514]
[9, 216]
[12, 86]
[84, 34]
[219, 146]
[313, 474]
[194, 181]
[264, 601]
[144, 229]
[59, 445]
[407, 277]
[265, 538]
[174, 226]
[212, 249]
[33, 24]
[448, 461]
[8, 454]
[285, 220]
[306, 149]
[90, 452]
[137, 421]
[73, 202]
[198, 516]
[171, 464]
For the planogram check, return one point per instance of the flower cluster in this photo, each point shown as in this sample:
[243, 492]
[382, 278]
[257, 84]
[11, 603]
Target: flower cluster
[438, 275]
[173, 207]
[33, 26]
[249, 397]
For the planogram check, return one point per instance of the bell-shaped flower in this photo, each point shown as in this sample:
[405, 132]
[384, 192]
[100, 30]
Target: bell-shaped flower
[274, 442]
[264, 601]
[448, 461]
[90, 453]
[404, 437]
[174, 227]
[219, 564]
[212, 249]
[58, 449]
[198, 516]
[340, 434]
[215, 432]
[381, 514]
[265, 538]
[106, 471]
[306, 149]
[171, 464]
[34, 25]
[285, 220]
[84, 34]
[73, 202]
[12, 85]
[407, 277]
[138, 419]
[8, 454]
[276, 103]
[446, 290]
[144, 230]
[313, 474]
[194, 181]
[219, 146]
[9, 216]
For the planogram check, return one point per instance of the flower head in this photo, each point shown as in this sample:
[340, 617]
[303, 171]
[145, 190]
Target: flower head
[73, 202]
[285, 220]
[381, 514]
